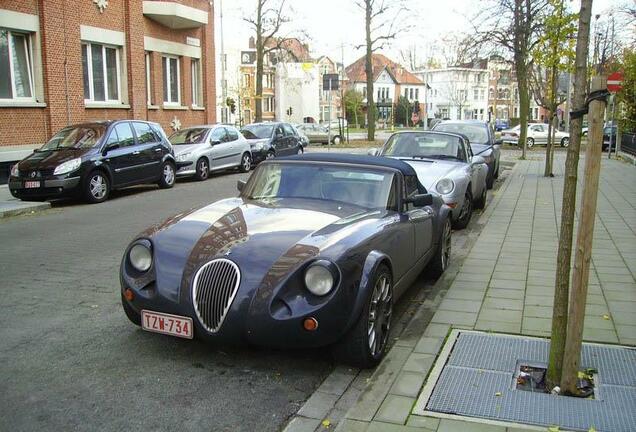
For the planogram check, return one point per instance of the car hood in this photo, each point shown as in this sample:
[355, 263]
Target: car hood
[49, 159]
[254, 235]
[430, 171]
[258, 141]
[480, 149]
[187, 148]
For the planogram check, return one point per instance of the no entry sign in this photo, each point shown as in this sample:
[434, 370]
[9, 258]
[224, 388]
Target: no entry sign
[615, 82]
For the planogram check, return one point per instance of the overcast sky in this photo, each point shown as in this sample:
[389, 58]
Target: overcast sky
[331, 24]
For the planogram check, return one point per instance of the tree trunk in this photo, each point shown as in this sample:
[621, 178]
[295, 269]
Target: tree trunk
[521, 69]
[547, 172]
[564, 254]
[260, 58]
[580, 278]
[369, 72]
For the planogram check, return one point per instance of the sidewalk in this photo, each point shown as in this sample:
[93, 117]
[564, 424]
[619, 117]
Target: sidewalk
[10, 206]
[506, 285]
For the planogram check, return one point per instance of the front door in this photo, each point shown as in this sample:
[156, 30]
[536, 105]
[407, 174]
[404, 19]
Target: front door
[150, 152]
[120, 158]
[280, 141]
[221, 149]
[291, 142]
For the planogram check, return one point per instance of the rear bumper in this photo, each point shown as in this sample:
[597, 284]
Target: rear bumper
[49, 188]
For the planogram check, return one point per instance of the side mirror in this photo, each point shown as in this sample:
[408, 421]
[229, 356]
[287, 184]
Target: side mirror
[476, 160]
[109, 147]
[240, 185]
[373, 152]
[421, 200]
[215, 142]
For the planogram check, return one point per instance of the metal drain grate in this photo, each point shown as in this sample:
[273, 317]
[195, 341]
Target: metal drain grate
[478, 381]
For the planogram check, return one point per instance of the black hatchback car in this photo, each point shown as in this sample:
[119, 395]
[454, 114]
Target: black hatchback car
[89, 160]
[268, 140]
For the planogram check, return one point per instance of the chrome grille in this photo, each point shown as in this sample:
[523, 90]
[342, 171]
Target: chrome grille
[214, 288]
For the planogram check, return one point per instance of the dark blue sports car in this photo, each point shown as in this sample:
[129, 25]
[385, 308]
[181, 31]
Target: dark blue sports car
[313, 252]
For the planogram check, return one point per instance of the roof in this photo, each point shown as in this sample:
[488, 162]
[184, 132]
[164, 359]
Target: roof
[356, 71]
[353, 159]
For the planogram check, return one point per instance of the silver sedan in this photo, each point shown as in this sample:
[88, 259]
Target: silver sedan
[445, 164]
[202, 149]
[537, 134]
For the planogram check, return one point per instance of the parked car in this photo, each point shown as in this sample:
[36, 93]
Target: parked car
[444, 163]
[609, 135]
[202, 149]
[268, 140]
[91, 159]
[320, 134]
[501, 124]
[537, 134]
[313, 252]
[304, 141]
[482, 142]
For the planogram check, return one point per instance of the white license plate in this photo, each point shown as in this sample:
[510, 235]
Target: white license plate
[31, 184]
[172, 325]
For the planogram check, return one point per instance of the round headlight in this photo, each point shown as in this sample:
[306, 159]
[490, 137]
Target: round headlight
[15, 171]
[445, 186]
[140, 257]
[318, 279]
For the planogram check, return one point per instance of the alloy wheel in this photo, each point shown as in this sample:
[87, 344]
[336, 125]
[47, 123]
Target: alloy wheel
[380, 311]
[168, 174]
[247, 163]
[530, 142]
[565, 142]
[98, 186]
[446, 245]
[466, 208]
[203, 169]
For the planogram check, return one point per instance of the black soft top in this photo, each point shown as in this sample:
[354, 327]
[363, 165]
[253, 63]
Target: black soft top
[353, 159]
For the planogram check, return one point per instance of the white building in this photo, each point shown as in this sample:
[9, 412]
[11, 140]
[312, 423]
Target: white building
[297, 92]
[456, 93]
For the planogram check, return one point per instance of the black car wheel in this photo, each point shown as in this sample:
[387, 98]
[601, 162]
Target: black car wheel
[300, 151]
[97, 187]
[490, 179]
[442, 257]
[530, 142]
[365, 344]
[203, 169]
[167, 176]
[565, 142]
[481, 202]
[133, 316]
[270, 155]
[466, 212]
[336, 140]
[246, 163]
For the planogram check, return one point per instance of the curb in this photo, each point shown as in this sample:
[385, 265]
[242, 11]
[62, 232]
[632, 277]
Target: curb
[362, 393]
[23, 208]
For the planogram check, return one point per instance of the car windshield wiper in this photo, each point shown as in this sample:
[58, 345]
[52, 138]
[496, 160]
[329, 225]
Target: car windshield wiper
[416, 158]
[444, 157]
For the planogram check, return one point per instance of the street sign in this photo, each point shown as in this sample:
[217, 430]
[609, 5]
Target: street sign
[615, 82]
[330, 82]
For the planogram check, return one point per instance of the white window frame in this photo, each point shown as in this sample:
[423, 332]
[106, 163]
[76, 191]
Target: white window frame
[165, 60]
[28, 43]
[197, 93]
[89, 66]
[148, 79]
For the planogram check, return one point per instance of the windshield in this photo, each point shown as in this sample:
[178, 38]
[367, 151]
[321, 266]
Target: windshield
[189, 136]
[476, 133]
[424, 145]
[368, 188]
[258, 131]
[76, 137]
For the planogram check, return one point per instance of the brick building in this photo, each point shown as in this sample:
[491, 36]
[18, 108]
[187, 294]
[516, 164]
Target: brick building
[69, 61]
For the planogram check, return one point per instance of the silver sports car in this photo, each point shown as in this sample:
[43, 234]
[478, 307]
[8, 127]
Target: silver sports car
[210, 148]
[445, 164]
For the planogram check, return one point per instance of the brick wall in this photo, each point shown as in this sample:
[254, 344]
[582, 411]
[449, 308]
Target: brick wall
[60, 46]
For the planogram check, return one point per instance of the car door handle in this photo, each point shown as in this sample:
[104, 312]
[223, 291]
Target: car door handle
[157, 149]
[136, 152]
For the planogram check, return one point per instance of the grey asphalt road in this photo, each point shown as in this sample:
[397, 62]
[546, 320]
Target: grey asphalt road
[71, 361]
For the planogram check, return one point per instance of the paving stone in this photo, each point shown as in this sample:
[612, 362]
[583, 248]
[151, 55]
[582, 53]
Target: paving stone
[620, 295]
[349, 425]
[446, 425]
[625, 318]
[621, 306]
[542, 324]
[338, 381]
[505, 293]
[464, 294]
[408, 384]
[349, 398]
[511, 316]
[395, 409]
[388, 427]
[437, 330]
[470, 277]
[460, 305]
[538, 311]
[318, 405]
[598, 322]
[599, 335]
[626, 331]
[498, 326]
[503, 303]
[451, 317]
[534, 300]
[420, 363]
[426, 423]
[302, 424]
[429, 345]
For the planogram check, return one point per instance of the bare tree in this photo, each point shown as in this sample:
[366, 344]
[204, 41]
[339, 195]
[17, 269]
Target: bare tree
[564, 253]
[456, 93]
[514, 25]
[267, 23]
[382, 21]
[458, 48]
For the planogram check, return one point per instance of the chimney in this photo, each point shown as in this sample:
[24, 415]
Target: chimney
[252, 43]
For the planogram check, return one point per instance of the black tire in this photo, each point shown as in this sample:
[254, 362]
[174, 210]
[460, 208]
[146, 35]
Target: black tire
[336, 140]
[496, 175]
[530, 142]
[440, 262]
[355, 347]
[133, 316]
[96, 187]
[270, 155]
[166, 181]
[565, 142]
[300, 150]
[480, 203]
[246, 163]
[466, 211]
[490, 180]
[202, 169]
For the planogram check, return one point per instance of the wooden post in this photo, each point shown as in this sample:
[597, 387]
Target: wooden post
[583, 251]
